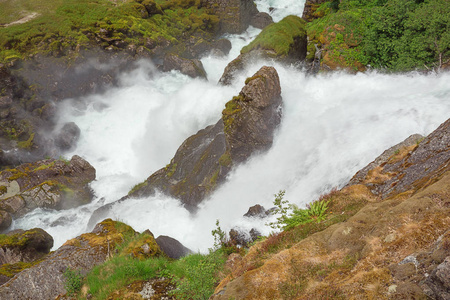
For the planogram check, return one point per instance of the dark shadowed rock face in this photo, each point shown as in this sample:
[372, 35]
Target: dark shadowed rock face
[261, 20]
[191, 67]
[68, 136]
[50, 183]
[172, 247]
[409, 166]
[235, 15]
[46, 279]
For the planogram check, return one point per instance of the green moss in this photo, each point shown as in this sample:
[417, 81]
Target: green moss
[171, 169]
[9, 270]
[225, 160]
[26, 144]
[278, 37]
[44, 167]
[138, 187]
[16, 174]
[3, 190]
[253, 78]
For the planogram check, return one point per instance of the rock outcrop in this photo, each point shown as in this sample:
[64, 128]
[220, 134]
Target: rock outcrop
[50, 183]
[234, 15]
[204, 159]
[172, 247]
[285, 42]
[191, 67]
[409, 166]
[395, 245]
[202, 162]
[20, 249]
[46, 280]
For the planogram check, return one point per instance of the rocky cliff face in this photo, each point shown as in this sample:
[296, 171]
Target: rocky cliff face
[396, 245]
[49, 183]
[235, 15]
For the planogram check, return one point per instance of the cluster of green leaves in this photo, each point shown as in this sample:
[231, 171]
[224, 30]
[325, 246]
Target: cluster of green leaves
[278, 36]
[290, 215]
[74, 281]
[398, 35]
[76, 23]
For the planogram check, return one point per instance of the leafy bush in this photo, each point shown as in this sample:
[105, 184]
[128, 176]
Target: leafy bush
[314, 212]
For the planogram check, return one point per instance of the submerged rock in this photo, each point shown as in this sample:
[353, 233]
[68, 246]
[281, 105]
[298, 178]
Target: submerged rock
[50, 183]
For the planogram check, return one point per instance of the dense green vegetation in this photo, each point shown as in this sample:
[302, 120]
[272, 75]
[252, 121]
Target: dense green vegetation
[278, 36]
[396, 35]
[72, 24]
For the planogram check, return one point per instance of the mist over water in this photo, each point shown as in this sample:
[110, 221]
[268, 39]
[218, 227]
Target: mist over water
[332, 126]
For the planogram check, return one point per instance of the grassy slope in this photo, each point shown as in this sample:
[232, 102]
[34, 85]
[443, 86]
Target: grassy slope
[62, 26]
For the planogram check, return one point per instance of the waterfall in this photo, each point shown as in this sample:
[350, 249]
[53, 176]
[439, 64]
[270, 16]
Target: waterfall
[333, 125]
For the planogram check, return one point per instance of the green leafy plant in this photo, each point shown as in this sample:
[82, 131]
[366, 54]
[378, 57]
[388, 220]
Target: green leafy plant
[74, 281]
[291, 215]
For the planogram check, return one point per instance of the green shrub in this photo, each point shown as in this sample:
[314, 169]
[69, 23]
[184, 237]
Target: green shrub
[74, 281]
[291, 215]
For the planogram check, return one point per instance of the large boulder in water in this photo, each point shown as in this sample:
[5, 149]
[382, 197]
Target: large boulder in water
[50, 183]
[191, 67]
[285, 42]
[203, 161]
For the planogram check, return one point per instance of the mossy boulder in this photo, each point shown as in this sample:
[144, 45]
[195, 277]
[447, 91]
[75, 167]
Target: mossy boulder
[46, 280]
[50, 183]
[285, 41]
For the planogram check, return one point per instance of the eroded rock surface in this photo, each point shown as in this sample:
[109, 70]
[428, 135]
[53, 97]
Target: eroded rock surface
[50, 183]
[412, 165]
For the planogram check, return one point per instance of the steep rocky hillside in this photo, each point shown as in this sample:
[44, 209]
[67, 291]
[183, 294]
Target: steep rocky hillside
[392, 240]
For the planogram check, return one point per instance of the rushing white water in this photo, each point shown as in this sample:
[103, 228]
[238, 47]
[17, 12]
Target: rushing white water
[333, 125]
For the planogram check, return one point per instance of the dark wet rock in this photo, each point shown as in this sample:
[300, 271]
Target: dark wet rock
[24, 246]
[292, 30]
[50, 183]
[256, 211]
[203, 160]
[261, 20]
[234, 15]
[223, 45]
[68, 136]
[172, 247]
[5, 220]
[46, 280]
[191, 67]
[409, 166]
[243, 238]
